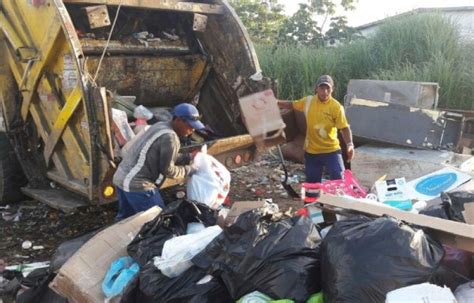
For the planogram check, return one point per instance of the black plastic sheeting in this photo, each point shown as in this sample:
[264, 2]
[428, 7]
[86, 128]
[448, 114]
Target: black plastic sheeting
[152, 286]
[280, 259]
[36, 289]
[363, 259]
[172, 222]
[451, 207]
[68, 248]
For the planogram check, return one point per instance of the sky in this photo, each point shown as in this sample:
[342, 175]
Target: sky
[372, 10]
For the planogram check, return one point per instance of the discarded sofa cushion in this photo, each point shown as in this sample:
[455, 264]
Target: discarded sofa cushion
[362, 259]
[152, 286]
[279, 259]
[170, 223]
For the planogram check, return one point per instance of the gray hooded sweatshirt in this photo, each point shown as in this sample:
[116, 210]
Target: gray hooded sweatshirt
[149, 158]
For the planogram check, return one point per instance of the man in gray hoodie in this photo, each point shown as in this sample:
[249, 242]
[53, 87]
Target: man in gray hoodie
[150, 158]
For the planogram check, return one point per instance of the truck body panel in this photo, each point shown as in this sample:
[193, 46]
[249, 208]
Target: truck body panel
[58, 83]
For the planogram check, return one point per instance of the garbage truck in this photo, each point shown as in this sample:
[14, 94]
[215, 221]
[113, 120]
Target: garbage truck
[64, 65]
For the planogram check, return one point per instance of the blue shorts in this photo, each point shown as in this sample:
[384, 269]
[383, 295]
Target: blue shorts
[314, 164]
[131, 203]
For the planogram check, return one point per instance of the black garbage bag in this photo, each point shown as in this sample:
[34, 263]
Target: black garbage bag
[68, 248]
[457, 200]
[172, 222]
[362, 259]
[152, 286]
[279, 259]
[35, 288]
[451, 207]
[442, 211]
[446, 276]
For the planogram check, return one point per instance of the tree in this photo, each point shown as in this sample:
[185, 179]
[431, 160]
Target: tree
[266, 22]
[340, 32]
[262, 19]
[301, 28]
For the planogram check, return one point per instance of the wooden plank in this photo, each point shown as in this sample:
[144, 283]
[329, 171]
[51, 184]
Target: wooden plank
[169, 5]
[61, 122]
[460, 235]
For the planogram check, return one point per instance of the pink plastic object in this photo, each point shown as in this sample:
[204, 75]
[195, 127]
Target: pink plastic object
[140, 122]
[347, 186]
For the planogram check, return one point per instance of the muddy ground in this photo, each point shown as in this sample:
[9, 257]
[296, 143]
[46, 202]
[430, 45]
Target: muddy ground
[46, 227]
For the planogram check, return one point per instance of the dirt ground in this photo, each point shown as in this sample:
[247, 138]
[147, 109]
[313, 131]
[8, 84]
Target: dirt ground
[46, 228]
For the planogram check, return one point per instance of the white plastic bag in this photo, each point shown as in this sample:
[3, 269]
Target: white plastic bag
[178, 252]
[465, 292]
[420, 293]
[210, 184]
[141, 112]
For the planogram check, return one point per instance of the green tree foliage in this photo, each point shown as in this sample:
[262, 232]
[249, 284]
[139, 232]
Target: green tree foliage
[301, 28]
[263, 19]
[340, 32]
[423, 47]
[267, 24]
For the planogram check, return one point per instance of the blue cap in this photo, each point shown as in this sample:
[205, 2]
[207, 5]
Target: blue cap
[189, 113]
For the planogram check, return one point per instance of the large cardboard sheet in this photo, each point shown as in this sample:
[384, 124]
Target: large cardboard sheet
[432, 185]
[80, 278]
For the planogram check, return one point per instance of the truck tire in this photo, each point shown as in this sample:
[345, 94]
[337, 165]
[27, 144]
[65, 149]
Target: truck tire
[11, 174]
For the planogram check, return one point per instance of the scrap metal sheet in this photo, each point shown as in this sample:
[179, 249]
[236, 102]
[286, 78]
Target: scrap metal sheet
[402, 125]
[408, 93]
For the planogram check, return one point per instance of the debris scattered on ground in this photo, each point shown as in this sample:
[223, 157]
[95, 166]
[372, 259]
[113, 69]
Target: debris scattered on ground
[41, 229]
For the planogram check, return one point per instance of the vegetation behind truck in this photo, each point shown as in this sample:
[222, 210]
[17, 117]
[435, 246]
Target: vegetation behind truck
[57, 83]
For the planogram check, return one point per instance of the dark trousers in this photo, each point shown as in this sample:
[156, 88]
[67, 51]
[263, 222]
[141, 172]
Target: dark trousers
[131, 203]
[315, 163]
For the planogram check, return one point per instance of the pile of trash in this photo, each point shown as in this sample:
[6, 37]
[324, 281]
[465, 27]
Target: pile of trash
[187, 253]
[195, 250]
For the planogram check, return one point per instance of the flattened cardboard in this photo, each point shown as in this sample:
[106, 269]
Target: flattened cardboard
[459, 235]
[468, 213]
[80, 278]
[448, 179]
[239, 208]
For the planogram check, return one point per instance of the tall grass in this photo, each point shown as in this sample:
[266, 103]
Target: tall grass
[415, 48]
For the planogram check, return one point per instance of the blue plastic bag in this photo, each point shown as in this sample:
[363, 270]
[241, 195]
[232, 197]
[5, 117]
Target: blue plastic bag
[120, 273]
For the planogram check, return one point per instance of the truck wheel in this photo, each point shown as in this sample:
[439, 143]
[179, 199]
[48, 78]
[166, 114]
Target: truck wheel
[11, 174]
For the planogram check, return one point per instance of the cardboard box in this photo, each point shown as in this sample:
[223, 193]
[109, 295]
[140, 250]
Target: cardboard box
[80, 278]
[392, 190]
[261, 116]
[451, 233]
[468, 213]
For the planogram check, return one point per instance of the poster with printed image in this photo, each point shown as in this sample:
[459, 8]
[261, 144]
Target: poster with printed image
[432, 185]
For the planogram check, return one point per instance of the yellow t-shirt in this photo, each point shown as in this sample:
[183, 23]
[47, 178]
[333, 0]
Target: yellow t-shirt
[323, 120]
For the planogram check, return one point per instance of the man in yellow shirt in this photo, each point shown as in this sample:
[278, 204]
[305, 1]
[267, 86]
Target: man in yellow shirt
[324, 116]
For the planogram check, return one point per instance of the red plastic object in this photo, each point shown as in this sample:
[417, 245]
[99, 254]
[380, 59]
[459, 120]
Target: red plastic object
[227, 202]
[347, 186]
[302, 212]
